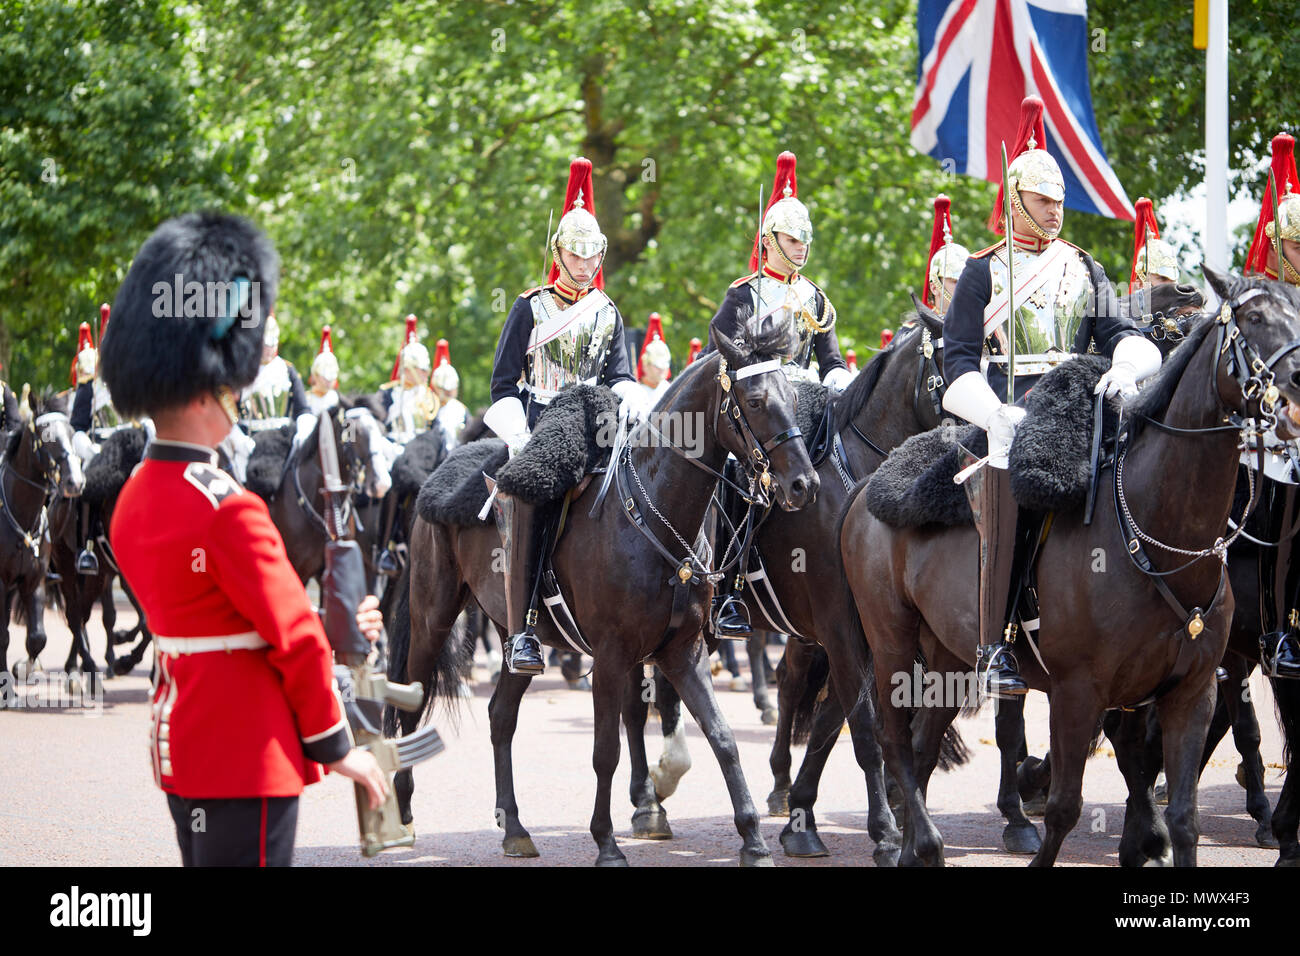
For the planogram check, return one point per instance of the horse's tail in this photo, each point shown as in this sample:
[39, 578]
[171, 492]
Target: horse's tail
[443, 678]
[819, 669]
[953, 752]
[1286, 704]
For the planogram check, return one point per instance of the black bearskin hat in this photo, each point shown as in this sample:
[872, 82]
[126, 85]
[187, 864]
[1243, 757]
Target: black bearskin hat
[190, 314]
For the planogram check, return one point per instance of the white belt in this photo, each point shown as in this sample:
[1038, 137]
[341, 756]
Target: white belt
[543, 396]
[248, 641]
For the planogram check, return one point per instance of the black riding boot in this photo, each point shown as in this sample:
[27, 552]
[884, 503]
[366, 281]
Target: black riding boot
[387, 563]
[730, 613]
[996, 668]
[1279, 649]
[87, 562]
[524, 530]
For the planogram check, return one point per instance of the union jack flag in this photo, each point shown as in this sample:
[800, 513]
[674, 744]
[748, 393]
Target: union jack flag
[979, 59]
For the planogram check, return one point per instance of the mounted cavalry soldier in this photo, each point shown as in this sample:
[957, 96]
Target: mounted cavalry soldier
[452, 413]
[323, 380]
[1284, 229]
[409, 403]
[1063, 303]
[776, 286]
[654, 365]
[947, 259]
[277, 391]
[565, 332]
[245, 708]
[1279, 585]
[91, 408]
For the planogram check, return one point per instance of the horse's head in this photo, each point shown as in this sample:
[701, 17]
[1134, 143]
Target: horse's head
[366, 440]
[1259, 372]
[51, 437]
[758, 403]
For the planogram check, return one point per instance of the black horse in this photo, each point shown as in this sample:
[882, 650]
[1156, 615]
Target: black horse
[619, 585]
[37, 464]
[295, 495]
[916, 588]
[105, 474]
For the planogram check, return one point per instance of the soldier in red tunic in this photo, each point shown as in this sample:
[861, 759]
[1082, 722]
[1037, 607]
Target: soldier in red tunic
[245, 708]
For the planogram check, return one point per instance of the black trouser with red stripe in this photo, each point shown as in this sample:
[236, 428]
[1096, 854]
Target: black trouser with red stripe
[254, 831]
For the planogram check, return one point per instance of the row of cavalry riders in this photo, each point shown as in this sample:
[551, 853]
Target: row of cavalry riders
[901, 574]
[1195, 558]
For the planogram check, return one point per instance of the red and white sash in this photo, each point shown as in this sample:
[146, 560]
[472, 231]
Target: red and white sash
[1046, 269]
[581, 310]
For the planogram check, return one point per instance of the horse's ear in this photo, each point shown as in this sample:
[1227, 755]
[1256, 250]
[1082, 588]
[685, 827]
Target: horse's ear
[931, 319]
[1222, 284]
[727, 348]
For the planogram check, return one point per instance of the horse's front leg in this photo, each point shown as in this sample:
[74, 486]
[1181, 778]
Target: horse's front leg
[609, 679]
[649, 822]
[503, 718]
[1019, 835]
[1185, 715]
[687, 666]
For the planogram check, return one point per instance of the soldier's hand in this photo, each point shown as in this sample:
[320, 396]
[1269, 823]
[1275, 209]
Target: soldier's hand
[361, 766]
[370, 620]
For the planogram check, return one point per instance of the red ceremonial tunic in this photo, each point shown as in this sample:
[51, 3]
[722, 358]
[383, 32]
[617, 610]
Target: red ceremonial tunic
[205, 561]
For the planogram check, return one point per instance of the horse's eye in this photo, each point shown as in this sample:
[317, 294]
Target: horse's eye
[755, 403]
[1253, 315]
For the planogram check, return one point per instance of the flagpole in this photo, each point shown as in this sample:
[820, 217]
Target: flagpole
[1216, 138]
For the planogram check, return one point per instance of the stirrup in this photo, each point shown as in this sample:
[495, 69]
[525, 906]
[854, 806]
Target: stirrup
[998, 672]
[1279, 655]
[731, 620]
[523, 654]
[87, 563]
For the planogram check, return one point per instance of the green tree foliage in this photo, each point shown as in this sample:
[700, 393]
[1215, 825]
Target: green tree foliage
[99, 142]
[404, 155]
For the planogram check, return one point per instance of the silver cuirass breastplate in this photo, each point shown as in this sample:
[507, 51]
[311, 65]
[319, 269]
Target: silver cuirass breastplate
[1049, 311]
[793, 302]
[568, 345]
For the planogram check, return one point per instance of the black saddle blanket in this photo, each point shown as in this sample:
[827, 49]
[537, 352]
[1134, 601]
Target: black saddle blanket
[266, 463]
[108, 471]
[1050, 457]
[572, 438]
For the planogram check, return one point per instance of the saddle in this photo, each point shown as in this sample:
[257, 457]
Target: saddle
[572, 439]
[1054, 458]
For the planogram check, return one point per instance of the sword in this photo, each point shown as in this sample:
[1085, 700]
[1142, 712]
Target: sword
[1011, 299]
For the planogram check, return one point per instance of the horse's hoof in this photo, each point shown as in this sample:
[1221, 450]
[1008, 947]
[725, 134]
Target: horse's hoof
[75, 683]
[1021, 839]
[1160, 861]
[1035, 806]
[778, 803]
[519, 846]
[122, 667]
[886, 855]
[1288, 861]
[769, 716]
[20, 671]
[802, 844]
[651, 825]
[611, 859]
[755, 858]
[1264, 837]
[580, 684]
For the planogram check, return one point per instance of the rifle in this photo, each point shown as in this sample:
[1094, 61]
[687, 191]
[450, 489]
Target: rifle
[363, 688]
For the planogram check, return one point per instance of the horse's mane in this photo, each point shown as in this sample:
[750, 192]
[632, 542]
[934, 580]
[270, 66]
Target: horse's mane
[1156, 395]
[367, 400]
[1158, 392]
[850, 402]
